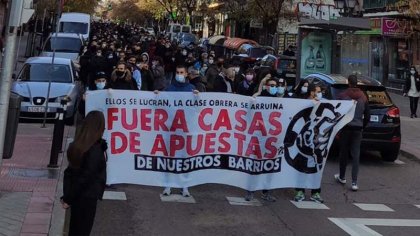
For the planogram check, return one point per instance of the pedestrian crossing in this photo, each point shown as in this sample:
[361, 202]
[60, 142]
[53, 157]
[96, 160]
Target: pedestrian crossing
[240, 201]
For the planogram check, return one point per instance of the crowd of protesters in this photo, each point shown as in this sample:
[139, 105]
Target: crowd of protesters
[129, 58]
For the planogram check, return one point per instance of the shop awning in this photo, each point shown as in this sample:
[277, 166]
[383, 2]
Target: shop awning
[235, 43]
[217, 40]
[339, 24]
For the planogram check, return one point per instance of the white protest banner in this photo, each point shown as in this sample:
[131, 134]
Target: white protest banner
[179, 139]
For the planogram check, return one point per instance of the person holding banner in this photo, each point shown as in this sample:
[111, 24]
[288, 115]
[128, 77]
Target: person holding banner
[351, 134]
[314, 92]
[180, 84]
[85, 177]
[270, 90]
[121, 78]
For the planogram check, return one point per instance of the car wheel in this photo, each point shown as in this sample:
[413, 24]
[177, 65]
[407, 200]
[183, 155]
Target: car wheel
[390, 155]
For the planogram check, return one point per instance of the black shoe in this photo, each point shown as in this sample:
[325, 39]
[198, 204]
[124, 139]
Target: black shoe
[415, 115]
[412, 116]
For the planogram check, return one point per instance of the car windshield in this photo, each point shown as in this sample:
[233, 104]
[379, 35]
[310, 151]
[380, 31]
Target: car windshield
[74, 27]
[63, 44]
[376, 95]
[43, 73]
[286, 65]
[257, 52]
[188, 38]
[176, 28]
[185, 29]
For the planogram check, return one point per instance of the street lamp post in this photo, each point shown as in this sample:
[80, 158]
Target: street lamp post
[346, 6]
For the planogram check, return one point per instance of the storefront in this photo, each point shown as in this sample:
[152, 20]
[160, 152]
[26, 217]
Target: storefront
[387, 55]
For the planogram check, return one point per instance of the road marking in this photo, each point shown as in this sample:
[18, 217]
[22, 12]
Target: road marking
[309, 205]
[358, 226]
[373, 207]
[177, 198]
[240, 201]
[418, 206]
[398, 162]
[112, 195]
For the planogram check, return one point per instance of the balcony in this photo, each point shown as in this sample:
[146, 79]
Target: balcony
[378, 4]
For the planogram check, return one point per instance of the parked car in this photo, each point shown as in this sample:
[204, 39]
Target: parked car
[151, 31]
[185, 39]
[32, 85]
[383, 132]
[65, 45]
[285, 66]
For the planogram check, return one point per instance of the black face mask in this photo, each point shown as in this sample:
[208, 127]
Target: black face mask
[220, 64]
[120, 73]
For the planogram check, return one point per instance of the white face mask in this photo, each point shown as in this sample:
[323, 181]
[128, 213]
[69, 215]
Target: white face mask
[211, 61]
[412, 72]
[249, 77]
[236, 69]
[304, 89]
[180, 78]
[100, 85]
[184, 53]
[319, 96]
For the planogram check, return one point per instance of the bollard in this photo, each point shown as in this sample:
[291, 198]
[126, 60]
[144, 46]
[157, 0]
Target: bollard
[64, 104]
[57, 141]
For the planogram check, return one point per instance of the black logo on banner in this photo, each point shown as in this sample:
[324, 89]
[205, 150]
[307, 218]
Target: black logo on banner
[306, 141]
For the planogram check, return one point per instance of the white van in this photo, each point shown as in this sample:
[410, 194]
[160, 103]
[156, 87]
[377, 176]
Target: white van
[78, 23]
[173, 29]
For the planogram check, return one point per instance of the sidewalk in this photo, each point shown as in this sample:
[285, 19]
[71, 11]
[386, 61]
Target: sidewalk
[410, 128]
[28, 189]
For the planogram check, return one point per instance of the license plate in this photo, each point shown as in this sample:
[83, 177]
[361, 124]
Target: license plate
[374, 118]
[36, 109]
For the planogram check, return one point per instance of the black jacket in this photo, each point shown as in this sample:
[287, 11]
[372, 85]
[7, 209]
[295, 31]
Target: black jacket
[89, 180]
[407, 84]
[220, 84]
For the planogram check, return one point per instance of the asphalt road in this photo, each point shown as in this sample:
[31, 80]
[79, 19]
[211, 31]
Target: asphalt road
[396, 185]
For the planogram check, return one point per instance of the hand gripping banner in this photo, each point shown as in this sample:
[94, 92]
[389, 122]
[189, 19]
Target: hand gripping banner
[180, 139]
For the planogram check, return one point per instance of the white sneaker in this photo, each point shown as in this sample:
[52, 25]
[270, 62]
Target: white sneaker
[354, 187]
[341, 181]
[185, 192]
[167, 191]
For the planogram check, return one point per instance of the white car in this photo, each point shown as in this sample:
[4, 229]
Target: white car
[32, 85]
[64, 45]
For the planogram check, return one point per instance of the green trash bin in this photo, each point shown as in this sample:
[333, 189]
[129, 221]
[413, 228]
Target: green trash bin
[12, 125]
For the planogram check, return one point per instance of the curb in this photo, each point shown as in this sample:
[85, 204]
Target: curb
[409, 155]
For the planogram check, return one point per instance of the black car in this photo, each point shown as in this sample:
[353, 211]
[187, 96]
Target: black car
[284, 66]
[383, 132]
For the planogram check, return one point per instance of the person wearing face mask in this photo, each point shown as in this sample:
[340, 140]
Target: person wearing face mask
[412, 90]
[191, 60]
[312, 93]
[169, 64]
[181, 56]
[121, 78]
[248, 85]
[282, 88]
[196, 79]
[224, 81]
[101, 82]
[301, 90]
[213, 71]
[135, 71]
[269, 90]
[159, 82]
[180, 84]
